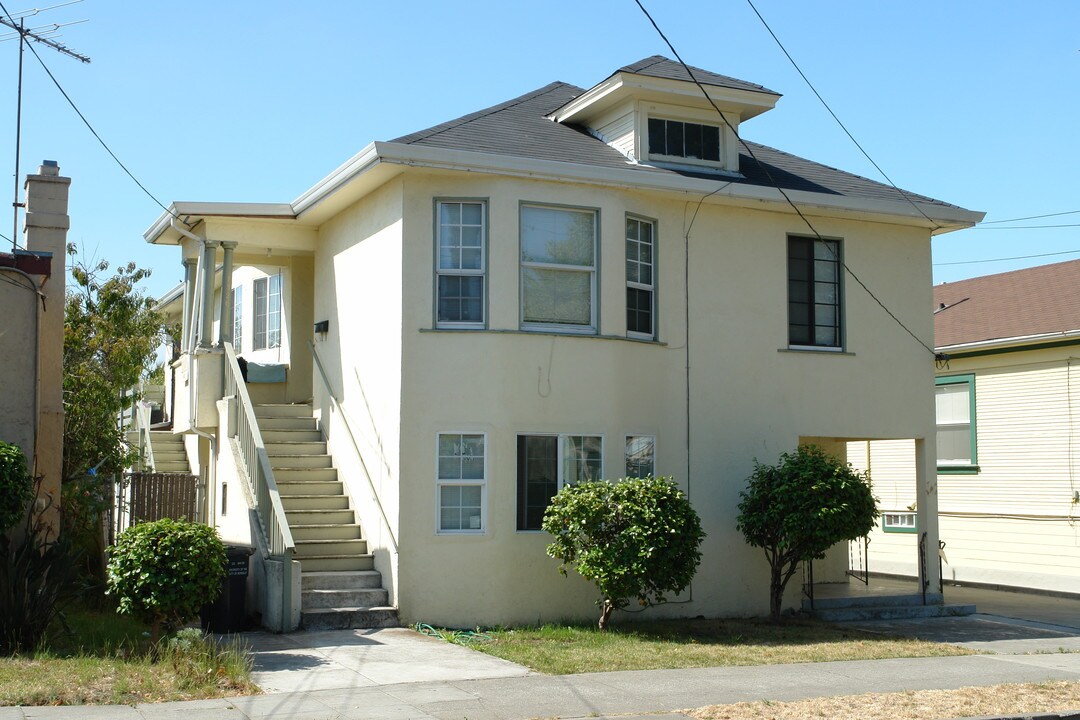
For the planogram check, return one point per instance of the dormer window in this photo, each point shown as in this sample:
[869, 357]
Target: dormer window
[683, 140]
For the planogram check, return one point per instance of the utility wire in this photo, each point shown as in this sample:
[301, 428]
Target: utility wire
[1030, 217]
[1025, 227]
[87, 123]
[1017, 257]
[764, 168]
[837, 119]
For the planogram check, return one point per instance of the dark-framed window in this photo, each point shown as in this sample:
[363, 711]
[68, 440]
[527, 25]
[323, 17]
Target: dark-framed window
[814, 293]
[675, 138]
[954, 399]
[546, 463]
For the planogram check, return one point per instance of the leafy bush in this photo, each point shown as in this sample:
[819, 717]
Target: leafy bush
[165, 571]
[635, 538]
[16, 486]
[799, 508]
[38, 577]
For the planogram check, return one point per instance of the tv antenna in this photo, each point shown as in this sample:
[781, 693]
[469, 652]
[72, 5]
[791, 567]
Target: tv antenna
[46, 35]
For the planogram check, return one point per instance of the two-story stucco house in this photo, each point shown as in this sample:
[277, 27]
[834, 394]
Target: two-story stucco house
[572, 284]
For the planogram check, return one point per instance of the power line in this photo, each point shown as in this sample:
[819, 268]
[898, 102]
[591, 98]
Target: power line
[89, 126]
[764, 168]
[837, 119]
[1025, 227]
[1017, 257]
[1030, 217]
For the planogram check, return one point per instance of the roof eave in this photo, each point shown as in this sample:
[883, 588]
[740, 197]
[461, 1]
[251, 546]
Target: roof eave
[1003, 343]
[158, 233]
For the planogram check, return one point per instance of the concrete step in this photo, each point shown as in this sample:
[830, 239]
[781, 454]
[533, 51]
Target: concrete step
[905, 600]
[357, 598]
[166, 436]
[305, 474]
[328, 548]
[304, 517]
[171, 467]
[344, 618]
[340, 580]
[309, 487]
[339, 531]
[300, 447]
[323, 563]
[161, 456]
[290, 436]
[300, 461]
[893, 613]
[288, 423]
[283, 410]
[315, 502]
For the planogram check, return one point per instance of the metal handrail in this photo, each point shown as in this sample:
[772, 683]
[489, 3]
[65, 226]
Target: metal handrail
[335, 403]
[264, 489]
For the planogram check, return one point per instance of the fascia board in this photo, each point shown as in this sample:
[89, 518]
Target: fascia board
[157, 231]
[1020, 340]
[736, 193]
[354, 166]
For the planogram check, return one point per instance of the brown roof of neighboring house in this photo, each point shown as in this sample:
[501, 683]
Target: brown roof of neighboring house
[1021, 303]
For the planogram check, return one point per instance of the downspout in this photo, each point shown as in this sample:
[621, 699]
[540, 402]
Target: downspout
[211, 479]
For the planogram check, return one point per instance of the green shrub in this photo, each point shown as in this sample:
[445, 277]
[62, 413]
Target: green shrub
[164, 571]
[16, 486]
[799, 508]
[635, 538]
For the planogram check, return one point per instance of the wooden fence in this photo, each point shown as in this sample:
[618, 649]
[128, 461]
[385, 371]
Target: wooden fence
[147, 496]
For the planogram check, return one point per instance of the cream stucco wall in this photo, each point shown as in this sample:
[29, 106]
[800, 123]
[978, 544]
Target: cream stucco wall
[1015, 521]
[749, 396]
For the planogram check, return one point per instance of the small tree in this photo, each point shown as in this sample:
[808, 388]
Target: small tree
[16, 486]
[635, 538]
[163, 572]
[799, 508]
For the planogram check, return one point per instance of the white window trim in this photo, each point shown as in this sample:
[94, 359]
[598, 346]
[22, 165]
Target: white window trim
[439, 483]
[593, 327]
[255, 312]
[450, 272]
[642, 286]
[560, 451]
[640, 435]
[238, 319]
[729, 145]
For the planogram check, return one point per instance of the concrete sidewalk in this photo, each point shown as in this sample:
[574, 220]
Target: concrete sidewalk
[397, 674]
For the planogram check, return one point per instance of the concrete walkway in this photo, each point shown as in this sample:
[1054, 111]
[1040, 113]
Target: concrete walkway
[399, 675]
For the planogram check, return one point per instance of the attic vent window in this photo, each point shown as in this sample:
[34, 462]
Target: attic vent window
[675, 138]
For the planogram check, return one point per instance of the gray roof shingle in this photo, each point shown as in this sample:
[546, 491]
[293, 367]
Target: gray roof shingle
[659, 66]
[519, 128]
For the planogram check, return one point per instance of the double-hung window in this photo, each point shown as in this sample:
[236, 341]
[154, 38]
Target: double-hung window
[267, 312]
[548, 462]
[814, 298]
[640, 278]
[238, 318]
[640, 456]
[460, 269]
[558, 268]
[955, 404]
[461, 482]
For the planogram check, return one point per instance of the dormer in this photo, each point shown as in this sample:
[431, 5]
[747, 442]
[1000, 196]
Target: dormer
[654, 114]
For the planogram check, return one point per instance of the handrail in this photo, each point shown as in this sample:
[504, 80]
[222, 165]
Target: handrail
[260, 474]
[352, 438]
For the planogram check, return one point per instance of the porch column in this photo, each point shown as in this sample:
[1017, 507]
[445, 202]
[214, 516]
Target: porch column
[206, 312]
[225, 330]
[190, 280]
[927, 499]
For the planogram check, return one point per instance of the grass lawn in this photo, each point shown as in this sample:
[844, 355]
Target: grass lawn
[108, 661]
[1019, 699]
[566, 649]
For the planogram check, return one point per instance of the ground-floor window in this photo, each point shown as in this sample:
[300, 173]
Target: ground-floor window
[640, 456]
[546, 463]
[461, 482]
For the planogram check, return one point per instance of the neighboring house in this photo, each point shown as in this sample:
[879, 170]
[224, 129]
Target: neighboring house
[573, 284]
[32, 333]
[1008, 442]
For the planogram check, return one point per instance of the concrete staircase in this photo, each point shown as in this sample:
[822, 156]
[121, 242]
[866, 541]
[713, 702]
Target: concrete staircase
[169, 453]
[339, 586]
[884, 607]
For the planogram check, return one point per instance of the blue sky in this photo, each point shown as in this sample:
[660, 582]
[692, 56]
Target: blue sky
[974, 103]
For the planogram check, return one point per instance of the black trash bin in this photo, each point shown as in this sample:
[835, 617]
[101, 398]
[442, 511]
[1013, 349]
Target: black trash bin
[226, 614]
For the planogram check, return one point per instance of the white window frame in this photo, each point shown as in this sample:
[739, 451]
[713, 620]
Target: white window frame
[900, 522]
[441, 272]
[266, 309]
[560, 471]
[238, 319]
[729, 145]
[440, 483]
[592, 270]
[635, 285]
[626, 456]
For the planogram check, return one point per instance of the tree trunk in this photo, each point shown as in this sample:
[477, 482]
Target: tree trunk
[776, 592]
[606, 608]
